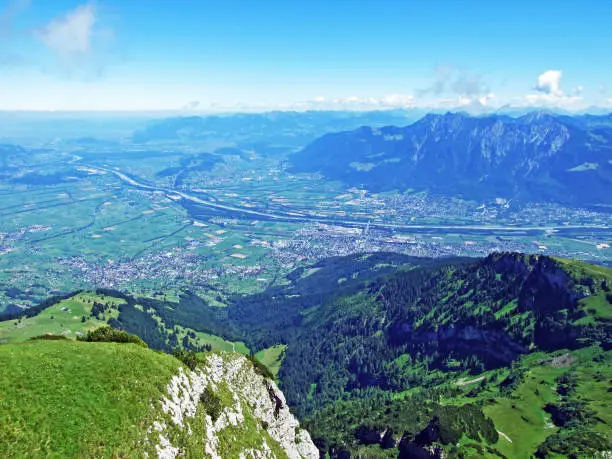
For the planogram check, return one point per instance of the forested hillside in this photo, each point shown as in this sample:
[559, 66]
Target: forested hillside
[385, 355]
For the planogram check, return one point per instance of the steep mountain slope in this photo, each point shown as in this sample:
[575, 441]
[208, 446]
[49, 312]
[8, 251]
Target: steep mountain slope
[461, 316]
[63, 398]
[538, 156]
[374, 361]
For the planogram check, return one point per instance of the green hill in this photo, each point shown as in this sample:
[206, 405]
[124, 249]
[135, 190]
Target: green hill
[62, 398]
[70, 317]
[76, 314]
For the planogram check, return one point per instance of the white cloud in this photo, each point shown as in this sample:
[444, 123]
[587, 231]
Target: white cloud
[80, 43]
[455, 80]
[543, 100]
[550, 93]
[359, 103]
[397, 100]
[70, 34]
[484, 100]
[462, 101]
[550, 83]
[194, 104]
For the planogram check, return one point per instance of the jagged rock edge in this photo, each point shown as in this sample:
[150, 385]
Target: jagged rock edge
[264, 399]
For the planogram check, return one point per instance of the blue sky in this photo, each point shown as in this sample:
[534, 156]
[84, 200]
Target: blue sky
[220, 55]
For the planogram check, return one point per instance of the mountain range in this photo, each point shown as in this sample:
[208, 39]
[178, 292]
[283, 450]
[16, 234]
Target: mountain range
[539, 157]
[285, 127]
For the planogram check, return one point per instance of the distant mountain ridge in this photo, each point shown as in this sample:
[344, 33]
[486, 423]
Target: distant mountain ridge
[539, 156]
[278, 126]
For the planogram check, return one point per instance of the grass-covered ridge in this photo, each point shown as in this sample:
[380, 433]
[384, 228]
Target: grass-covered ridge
[70, 317]
[74, 399]
[81, 312]
[65, 398]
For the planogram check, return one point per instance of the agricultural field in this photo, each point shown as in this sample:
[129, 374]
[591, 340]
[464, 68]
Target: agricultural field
[233, 222]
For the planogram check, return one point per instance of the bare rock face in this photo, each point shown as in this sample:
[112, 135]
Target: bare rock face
[224, 409]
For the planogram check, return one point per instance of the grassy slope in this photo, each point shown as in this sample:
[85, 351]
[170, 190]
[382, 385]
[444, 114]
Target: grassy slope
[66, 323]
[520, 415]
[220, 344]
[596, 306]
[217, 343]
[78, 399]
[272, 357]
[85, 399]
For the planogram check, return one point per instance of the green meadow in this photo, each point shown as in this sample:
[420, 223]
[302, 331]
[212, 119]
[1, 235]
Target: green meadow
[272, 357]
[76, 394]
[64, 318]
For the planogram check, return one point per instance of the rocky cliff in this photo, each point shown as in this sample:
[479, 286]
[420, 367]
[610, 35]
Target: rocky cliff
[242, 414]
